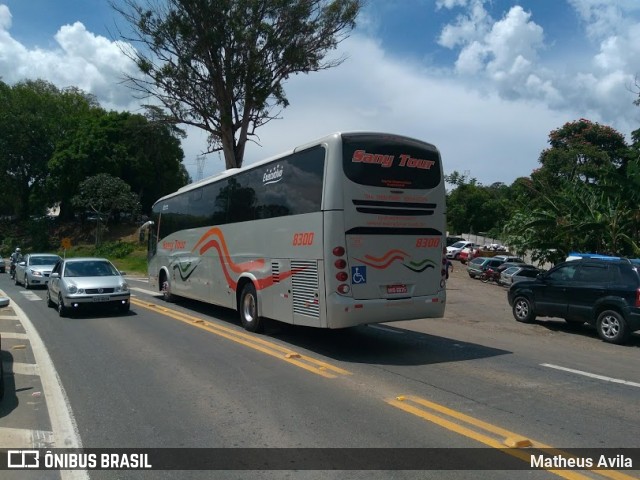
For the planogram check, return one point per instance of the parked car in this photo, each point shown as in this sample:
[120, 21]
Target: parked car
[453, 251]
[452, 240]
[79, 282]
[35, 268]
[478, 265]
[3, 267]
[506, 265]
[514, 274]
[603, 293]
[509, 258]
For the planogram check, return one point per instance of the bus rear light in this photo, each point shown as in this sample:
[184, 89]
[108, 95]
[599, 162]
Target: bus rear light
[638, 297]
[343, 289]
[342, 276]
[338, 251]
[341, 263]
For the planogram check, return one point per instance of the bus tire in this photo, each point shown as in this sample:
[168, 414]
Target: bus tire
[248, 308]
[167, 296]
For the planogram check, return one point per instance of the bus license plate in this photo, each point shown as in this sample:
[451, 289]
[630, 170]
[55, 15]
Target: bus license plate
[101, 299]
[391, 289]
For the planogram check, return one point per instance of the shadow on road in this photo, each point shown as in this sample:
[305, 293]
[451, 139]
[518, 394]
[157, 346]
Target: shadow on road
[585, 330]
[10, 401]
[375, 344]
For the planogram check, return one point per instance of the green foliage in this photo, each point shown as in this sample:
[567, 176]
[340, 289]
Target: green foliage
[117, 249]
[221, 65]
[585, 196]
[472, 207]
[52, 139]
[105, 195]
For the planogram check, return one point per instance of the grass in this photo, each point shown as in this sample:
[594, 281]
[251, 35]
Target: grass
[120, 243]
[134, 263]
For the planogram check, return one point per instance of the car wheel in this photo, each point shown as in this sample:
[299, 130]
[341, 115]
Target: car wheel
[523, 310]
[62, 310]
[248, 309]
[50, 304]
[612, 327]
[15, 279]
[26, 283]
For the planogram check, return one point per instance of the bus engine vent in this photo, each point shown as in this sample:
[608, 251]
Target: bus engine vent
[275, 272]
[305, 287]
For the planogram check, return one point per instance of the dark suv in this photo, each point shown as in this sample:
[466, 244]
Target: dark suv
[604, 293]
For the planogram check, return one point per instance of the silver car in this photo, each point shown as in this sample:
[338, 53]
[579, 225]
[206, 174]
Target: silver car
[34, 269]
[78, 282]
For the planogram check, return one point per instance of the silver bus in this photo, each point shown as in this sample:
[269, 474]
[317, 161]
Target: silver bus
[343, 231]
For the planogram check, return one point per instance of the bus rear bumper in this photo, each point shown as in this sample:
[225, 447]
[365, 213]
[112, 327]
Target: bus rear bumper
[346, 312]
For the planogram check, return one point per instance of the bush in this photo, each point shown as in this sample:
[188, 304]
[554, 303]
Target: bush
[117, 249]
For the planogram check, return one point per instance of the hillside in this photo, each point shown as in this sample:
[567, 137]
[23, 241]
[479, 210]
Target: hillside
[119, 242]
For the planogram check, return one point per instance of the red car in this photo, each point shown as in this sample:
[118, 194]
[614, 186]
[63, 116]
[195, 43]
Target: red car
[468, 254]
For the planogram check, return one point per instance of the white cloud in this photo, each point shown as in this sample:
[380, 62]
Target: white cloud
[90, 62]
[5, 18]
[505, 56]
[490, 115]
[480, 133]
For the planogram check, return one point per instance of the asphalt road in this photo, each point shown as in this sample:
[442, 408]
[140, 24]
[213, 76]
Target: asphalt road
[186, 375]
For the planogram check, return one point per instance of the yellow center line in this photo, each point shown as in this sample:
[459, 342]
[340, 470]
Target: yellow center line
[508, 438]
[305, 362]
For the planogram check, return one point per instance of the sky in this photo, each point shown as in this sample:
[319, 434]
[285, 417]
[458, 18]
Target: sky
[485, 81]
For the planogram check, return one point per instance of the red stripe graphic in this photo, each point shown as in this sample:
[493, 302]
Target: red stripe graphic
[384, 261]
[219, 243]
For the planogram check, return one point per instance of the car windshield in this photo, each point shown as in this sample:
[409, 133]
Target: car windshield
[90, 269]
[458, 244]
[44, 260]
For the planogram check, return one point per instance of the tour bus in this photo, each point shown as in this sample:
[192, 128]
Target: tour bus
[343, 231]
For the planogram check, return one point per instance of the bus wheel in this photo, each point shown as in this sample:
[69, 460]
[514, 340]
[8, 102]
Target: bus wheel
[166, 291]
[248, 309]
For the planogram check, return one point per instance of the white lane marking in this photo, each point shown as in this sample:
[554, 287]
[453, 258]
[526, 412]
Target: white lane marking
[31, 296]
[8, 317]
[137, 279]
[63, 423]
[24, 438]
[16, 336]
[386, 329]
[148, 292]
[591, 375]
[23, 368]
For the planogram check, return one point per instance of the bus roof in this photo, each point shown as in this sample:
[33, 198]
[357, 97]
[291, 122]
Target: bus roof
[232, 171]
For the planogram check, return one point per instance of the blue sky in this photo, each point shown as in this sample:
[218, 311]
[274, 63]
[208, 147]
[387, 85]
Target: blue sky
[484, 80]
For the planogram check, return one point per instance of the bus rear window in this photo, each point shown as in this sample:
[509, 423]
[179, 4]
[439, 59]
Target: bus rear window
[390, 161]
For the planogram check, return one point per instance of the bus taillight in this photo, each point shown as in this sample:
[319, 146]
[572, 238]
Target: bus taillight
[341, 263]
[343, 289]
[342, 276]
[338, 251]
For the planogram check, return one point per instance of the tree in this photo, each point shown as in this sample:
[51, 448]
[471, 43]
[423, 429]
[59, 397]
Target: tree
[34, 117]
[583, 150]
[220, 65]
[145, 154]
[583, 198]
[473, 207]
[106, 195]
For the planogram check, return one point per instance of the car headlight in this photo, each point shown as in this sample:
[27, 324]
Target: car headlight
[35, 273]
[123, 288]
[72, 289]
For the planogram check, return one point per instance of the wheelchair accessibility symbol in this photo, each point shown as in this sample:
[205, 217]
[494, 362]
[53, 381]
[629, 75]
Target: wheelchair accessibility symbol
[358, 275]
